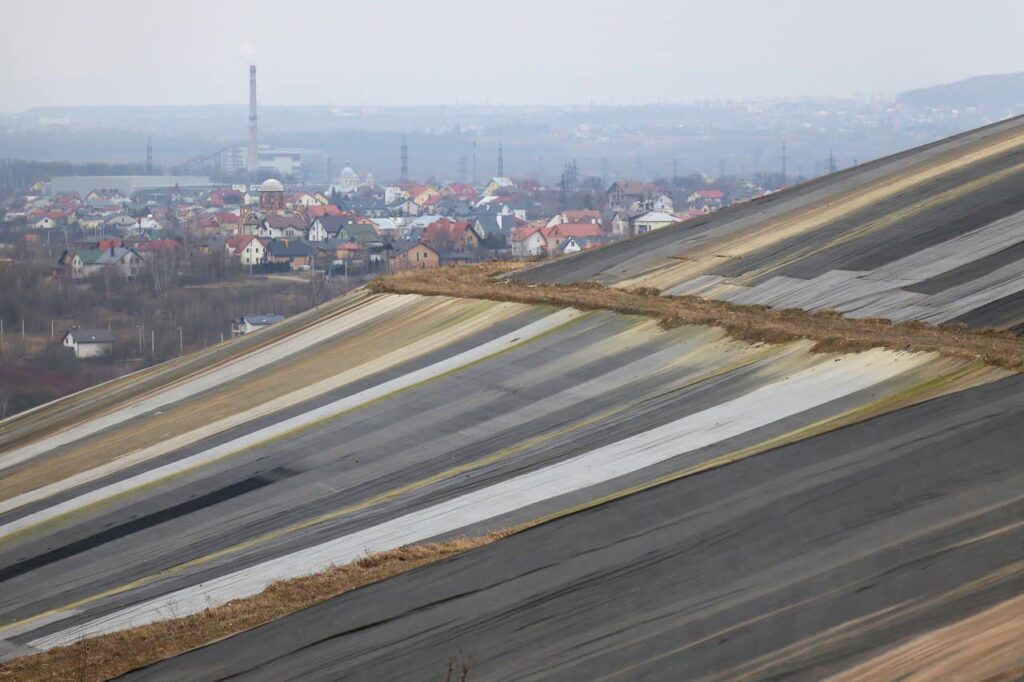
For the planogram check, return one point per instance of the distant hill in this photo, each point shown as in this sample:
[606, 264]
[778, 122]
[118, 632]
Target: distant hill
[999, 91]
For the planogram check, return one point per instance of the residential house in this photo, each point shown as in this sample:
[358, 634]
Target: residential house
[89, 343]
[386, 226]
[495, 225]
[499, 185]
[317, 210]
[620, 222]
[576, 244]
[559, 233]
[421, 195]
[622, 194]
[121, 222]
[663, 203]
[363, 233]
[248, 249]
[156, 248]
[653, 220]
[420, 257]
[404, 207]
[248, 324]
[282, 226]
[583, 216]
[460, 189]
[337, 252]
[712, 198]
[296, 253]
[317, 232]
[127, 262]
[530, 241]
[451, 236]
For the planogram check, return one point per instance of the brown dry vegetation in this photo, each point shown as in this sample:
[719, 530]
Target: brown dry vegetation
[987, 646]
[756, 324]
[107, 656]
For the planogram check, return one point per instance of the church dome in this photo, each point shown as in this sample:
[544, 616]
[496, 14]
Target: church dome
[271, 185]
[347, 171]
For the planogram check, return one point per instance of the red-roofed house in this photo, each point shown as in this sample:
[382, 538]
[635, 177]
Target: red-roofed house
[449, 235]
[706, 200]
[530, 240]
[460, 189]
[583, 216]
[319, 211]
[559, 233]
[248, 249]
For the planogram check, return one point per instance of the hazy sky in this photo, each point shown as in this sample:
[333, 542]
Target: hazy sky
[526, 51]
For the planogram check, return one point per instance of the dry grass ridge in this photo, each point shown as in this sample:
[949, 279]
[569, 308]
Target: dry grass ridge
[107, 656]
[757, 324]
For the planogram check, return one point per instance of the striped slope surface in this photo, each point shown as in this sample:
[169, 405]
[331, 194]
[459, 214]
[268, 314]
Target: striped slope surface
[933, 234]
[382, 420]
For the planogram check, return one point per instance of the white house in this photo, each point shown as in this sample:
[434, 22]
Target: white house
[655, 220]
[125, 261]
[663, 204]
[89, 343]
[248, 249]
[251, 323]
[317, 232]
[45, 223]
[529, 241]
[392, 194]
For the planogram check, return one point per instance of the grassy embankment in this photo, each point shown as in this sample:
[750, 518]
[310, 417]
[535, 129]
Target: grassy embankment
[832, 332]
[107, 656]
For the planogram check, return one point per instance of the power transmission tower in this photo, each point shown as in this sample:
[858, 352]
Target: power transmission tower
[149, 156]
[462, 168]
[831, 161]
[405, 160]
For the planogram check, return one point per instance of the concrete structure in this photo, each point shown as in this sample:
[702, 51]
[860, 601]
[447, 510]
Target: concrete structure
[125, 184]
[252, 159]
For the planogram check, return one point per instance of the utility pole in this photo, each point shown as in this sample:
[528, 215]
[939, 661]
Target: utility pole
[501, 160]
[783, 162]
[51, 330]
[140, 339]
[152, 342]
[149, 156]
[405, 160]
[181, 343]
[831, 161]
[474, 163]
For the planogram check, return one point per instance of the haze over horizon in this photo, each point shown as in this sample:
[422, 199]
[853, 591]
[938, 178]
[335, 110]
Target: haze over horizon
[117, 52]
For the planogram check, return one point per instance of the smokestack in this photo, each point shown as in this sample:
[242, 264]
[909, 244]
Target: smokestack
[252, 161]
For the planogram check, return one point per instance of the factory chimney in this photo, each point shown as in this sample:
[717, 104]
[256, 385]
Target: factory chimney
[252, 160]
